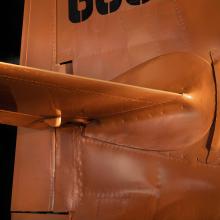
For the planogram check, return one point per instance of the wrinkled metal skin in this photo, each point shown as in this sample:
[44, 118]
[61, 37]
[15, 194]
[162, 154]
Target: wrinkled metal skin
[118, 114]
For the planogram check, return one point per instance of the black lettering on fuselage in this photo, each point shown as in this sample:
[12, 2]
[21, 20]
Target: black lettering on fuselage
[103, 8]
[107, 7]
[77, 16]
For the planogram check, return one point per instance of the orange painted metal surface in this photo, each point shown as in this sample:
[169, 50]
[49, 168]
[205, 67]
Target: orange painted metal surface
[118, 114]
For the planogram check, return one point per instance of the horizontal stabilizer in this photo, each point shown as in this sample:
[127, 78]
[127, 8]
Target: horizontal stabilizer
[32, 97]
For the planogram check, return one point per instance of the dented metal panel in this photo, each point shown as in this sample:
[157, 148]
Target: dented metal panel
[99, 171]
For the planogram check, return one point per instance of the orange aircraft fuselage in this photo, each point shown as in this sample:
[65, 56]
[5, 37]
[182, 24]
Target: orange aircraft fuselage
[117, 104]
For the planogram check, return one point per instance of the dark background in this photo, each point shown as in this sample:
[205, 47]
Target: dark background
[11, 16]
